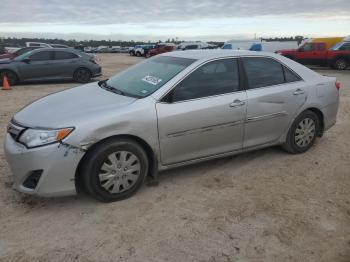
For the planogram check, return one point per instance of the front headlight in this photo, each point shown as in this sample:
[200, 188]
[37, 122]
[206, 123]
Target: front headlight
[39, 137]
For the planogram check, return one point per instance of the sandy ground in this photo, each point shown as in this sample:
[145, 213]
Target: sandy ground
[261, 206]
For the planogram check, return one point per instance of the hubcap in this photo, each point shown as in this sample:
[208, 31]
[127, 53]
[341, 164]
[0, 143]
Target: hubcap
[119, 172]
[305, 132]
[341, 64]
[82, 75]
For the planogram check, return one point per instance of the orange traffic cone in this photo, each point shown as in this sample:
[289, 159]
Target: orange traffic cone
[5, 83]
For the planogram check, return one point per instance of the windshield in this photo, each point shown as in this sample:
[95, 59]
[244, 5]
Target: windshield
[336, 46]
[22, 56]
[147, 77]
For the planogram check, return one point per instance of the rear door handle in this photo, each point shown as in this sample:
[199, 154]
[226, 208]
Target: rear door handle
[237, 103]
[298, 92]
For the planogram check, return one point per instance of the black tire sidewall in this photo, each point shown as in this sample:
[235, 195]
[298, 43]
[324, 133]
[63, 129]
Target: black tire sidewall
[84, 80]
[97, 157]
[291, 140]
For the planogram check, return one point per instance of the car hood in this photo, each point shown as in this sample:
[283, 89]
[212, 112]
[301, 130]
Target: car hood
[69, 107]
[5, 60]
[286, 50]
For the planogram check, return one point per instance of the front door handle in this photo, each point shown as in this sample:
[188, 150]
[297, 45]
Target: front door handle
[237, 103]
[298, 92]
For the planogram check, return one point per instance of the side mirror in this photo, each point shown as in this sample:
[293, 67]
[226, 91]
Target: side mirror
[301, 49]
[26, 60]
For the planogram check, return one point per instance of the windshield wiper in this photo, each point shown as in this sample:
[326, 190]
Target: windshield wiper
[104, 85]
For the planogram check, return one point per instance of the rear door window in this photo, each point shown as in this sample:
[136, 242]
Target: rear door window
[309, 47]
[42, 56]
[62, 55]
[321, 46]
[263, 72]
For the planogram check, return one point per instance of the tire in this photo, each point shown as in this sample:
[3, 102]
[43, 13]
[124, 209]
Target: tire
[11, 76]
[138, 54]
[106, 177]
[299, 140]
[341, 64]
[148, 55]
[82, 75]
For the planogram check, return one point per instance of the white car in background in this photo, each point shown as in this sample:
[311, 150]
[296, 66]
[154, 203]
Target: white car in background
[264, 46]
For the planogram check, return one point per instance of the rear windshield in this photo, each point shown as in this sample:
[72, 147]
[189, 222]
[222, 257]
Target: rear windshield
[145, 78]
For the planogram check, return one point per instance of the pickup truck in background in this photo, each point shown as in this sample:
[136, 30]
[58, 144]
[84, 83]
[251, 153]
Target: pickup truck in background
[160, 49]
[316, 53]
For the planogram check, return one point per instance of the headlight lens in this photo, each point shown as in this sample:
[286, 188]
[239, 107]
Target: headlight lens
[40, 137]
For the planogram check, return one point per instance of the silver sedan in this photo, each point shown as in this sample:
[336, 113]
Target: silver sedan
[168, 111]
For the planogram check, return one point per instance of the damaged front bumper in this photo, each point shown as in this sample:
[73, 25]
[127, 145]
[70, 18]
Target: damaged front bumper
[44, 171]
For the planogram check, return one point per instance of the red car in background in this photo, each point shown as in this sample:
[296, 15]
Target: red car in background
[17, 53]
[160, 49]
[316, 53]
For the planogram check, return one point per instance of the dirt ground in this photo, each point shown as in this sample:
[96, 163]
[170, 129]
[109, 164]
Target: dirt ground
[261, 206]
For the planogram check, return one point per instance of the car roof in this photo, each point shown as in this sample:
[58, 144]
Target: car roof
[205, 55]
[216, 53]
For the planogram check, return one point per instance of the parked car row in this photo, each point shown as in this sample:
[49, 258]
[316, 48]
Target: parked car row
[106, 49]
[160, 48]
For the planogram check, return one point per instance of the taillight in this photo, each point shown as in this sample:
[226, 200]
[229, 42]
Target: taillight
[337, 85]
[92, 60]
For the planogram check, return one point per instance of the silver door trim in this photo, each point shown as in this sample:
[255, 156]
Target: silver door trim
[265, 117]
[205, 129]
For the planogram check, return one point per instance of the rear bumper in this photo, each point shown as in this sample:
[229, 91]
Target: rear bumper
[330, 115]
[56, 164]
[97, 71]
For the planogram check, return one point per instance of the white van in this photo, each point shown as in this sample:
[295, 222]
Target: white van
[192, 45]
[238, 45]
[36, 44]
[260, 46]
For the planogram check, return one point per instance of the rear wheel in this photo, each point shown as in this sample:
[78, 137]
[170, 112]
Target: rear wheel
[11, 77]
[114, 170]
[302, 134]
[341, 64]
[82, 75]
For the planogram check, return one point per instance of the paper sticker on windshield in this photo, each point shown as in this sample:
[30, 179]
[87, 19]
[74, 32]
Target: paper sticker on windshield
[153, 80]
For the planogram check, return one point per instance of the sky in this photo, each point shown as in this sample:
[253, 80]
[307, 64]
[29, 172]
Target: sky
[216, 20]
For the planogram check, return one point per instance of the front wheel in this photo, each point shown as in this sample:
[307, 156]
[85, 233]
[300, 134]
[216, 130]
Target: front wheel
[114, 170]
[82, 75]
[302, 134]
[341, 64]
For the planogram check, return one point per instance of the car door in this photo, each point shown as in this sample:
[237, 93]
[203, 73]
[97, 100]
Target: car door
[203, 115]
[37, 66]
[309, 54]
[274, 93]
[65, 63]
